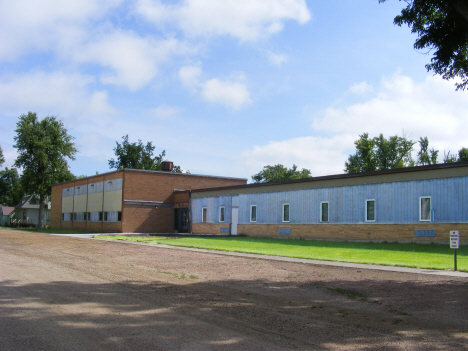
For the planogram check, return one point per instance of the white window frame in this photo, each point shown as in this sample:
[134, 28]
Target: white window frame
[321, 213]
[430, 209]
[204, 209]
[223, 210]
[365, 211]
[251, 207]
[289, 213]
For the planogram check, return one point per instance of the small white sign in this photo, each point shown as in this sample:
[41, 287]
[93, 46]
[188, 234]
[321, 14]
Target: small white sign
[454, 239]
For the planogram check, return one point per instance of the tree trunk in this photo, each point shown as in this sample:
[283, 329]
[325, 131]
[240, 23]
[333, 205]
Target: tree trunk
[41, 211]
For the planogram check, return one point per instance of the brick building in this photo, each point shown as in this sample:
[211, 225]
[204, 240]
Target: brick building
[130, 201]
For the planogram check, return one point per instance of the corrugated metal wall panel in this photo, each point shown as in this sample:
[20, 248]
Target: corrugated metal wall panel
[94, 188]
[394, 203]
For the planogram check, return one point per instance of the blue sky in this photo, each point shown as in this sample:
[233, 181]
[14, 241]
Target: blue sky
[225, 87]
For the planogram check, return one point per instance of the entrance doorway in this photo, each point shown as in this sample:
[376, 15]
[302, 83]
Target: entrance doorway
[181, 220]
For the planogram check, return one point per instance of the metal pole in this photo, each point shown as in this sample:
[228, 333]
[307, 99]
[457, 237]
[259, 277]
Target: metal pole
[455, 259]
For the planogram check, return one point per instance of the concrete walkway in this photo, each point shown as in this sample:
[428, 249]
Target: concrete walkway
[300, 260]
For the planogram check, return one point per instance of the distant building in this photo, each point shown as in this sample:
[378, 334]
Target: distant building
[5, 215]
[27, 211]
[127, 200]
[418, 204]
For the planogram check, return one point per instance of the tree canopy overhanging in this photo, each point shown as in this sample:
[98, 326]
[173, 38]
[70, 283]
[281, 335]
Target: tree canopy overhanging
[441, 26]
[43, 147]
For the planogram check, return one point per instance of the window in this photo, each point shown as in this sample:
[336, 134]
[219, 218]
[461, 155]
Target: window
[100, 216]
[85, 216]
[324, 212]
[105, 216]
[285, 212]
[221, 214]
[74, 216]
[119, 216]
[88, 216]
[425, 208]
[63, 217]
[253, 213]
[370, 210]
[204, 214]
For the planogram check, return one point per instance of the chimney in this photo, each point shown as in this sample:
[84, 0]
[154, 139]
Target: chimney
[167, 166]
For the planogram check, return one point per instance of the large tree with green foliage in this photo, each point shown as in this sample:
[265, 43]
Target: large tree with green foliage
[43, 148]
[379, 153]
[136, 155]
[441, 26]
[11, 191]
[279, 173]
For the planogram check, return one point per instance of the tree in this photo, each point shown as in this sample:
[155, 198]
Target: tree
[463, 154]
[379, 153]
[11, 191]
[449, 157]
[279, 173]
[2, 159]
[442, 26]
[43, 148]
[426, 156]
[138, 156]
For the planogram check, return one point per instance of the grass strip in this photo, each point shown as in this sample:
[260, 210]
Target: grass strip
[429, 256]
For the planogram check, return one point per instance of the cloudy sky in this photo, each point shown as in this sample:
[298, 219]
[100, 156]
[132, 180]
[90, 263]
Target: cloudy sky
[224, 86]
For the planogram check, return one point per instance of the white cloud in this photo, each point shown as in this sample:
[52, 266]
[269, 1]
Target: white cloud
[361, 88]
[164, 111]
[133, 61]
[277, 59]
[190, 75]
[247, 20]
[46, 25]
[231, 93]
[429, 108]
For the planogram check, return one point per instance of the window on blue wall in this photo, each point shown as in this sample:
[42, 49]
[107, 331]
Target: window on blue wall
[425, 208]
[285, 212]
[203, 214]
[221, 214]
[253, 213]
[370, 210]
[324, 212]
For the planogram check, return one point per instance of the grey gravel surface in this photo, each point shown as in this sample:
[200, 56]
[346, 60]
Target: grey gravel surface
[65, 293]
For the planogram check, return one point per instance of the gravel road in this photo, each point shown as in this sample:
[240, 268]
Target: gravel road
[64, 293]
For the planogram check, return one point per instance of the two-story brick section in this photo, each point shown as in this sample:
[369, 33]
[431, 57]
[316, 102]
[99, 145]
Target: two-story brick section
[130, 201]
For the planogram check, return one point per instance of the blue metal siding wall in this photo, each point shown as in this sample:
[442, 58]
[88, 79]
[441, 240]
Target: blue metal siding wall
[394, 203]
[212, 213]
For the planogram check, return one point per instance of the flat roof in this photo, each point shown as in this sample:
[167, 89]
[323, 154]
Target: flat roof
[445, 170]
[149, 171]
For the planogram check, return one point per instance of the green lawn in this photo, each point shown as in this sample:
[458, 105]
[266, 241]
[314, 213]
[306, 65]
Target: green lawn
[392, 254]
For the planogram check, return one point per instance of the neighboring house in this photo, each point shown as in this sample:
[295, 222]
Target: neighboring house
[27, 211]
[6, 213]
[130, 200]
[417, 204]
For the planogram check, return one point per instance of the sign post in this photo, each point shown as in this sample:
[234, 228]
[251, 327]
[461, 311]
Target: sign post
[454, 244]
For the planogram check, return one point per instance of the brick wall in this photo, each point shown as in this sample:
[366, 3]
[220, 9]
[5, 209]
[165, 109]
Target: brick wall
[209, 228]
[365, 232]
[150, 186]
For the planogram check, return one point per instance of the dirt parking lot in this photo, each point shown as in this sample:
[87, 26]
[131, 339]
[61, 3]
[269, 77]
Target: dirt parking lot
[62, 293]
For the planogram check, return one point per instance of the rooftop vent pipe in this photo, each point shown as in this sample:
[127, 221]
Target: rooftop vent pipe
[167, 166]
